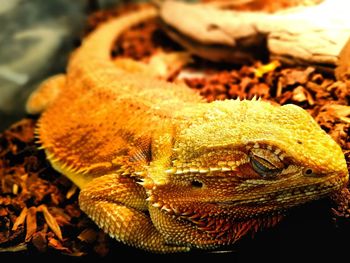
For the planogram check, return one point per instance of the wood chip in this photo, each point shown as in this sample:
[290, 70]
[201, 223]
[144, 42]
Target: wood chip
[31, 225]
[20, 219]
[39, 241]
[51, 221]
[88, 235]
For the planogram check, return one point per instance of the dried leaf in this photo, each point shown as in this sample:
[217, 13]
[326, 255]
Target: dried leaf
[300, 94]
[57, 245]
[3, 212]
[260, 90]
[16, 248]
[71, 191]
[102, 247]
[342, 201]
[39, 241]
[317, 89]
[340, 135]
[336, 112]
[61, 216]
[296, 77]
[22, 130]
[88, 235]
[31, 223]
[73, 211]
[20, 219]
[51, 221]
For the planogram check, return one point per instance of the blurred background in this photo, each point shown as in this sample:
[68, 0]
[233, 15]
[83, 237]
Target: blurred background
[36, 39]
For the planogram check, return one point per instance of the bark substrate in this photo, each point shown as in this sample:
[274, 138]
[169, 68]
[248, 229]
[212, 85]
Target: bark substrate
[32, 192]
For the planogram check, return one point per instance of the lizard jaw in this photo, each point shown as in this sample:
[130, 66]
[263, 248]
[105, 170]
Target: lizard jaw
[242, 201]
[288, 196]
[207, 225]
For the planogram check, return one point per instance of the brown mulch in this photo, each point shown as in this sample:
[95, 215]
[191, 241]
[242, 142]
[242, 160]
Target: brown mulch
[38, 207]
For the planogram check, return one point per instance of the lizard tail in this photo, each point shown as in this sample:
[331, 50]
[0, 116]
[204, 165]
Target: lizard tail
[98, 45]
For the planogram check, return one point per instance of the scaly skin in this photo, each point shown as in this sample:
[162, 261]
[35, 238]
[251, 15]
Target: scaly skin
[161, 170]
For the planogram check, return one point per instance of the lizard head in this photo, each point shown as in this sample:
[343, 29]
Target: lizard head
[236, 161]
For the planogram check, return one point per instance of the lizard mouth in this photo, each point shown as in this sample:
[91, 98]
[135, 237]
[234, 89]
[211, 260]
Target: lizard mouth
[225, 221]
[254, 203]
[285, 196]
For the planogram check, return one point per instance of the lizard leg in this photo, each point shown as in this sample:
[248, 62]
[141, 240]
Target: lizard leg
[45, 94]
[117, 204]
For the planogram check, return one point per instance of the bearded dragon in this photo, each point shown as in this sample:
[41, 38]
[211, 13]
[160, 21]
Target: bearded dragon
[162, 170]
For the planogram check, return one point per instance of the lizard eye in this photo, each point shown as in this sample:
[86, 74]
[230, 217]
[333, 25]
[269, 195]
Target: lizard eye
[265, 163]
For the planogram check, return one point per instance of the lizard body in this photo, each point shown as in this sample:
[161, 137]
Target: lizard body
[161, 170]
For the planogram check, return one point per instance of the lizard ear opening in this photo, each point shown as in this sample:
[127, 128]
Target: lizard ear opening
[196, 184]
[308, 172]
